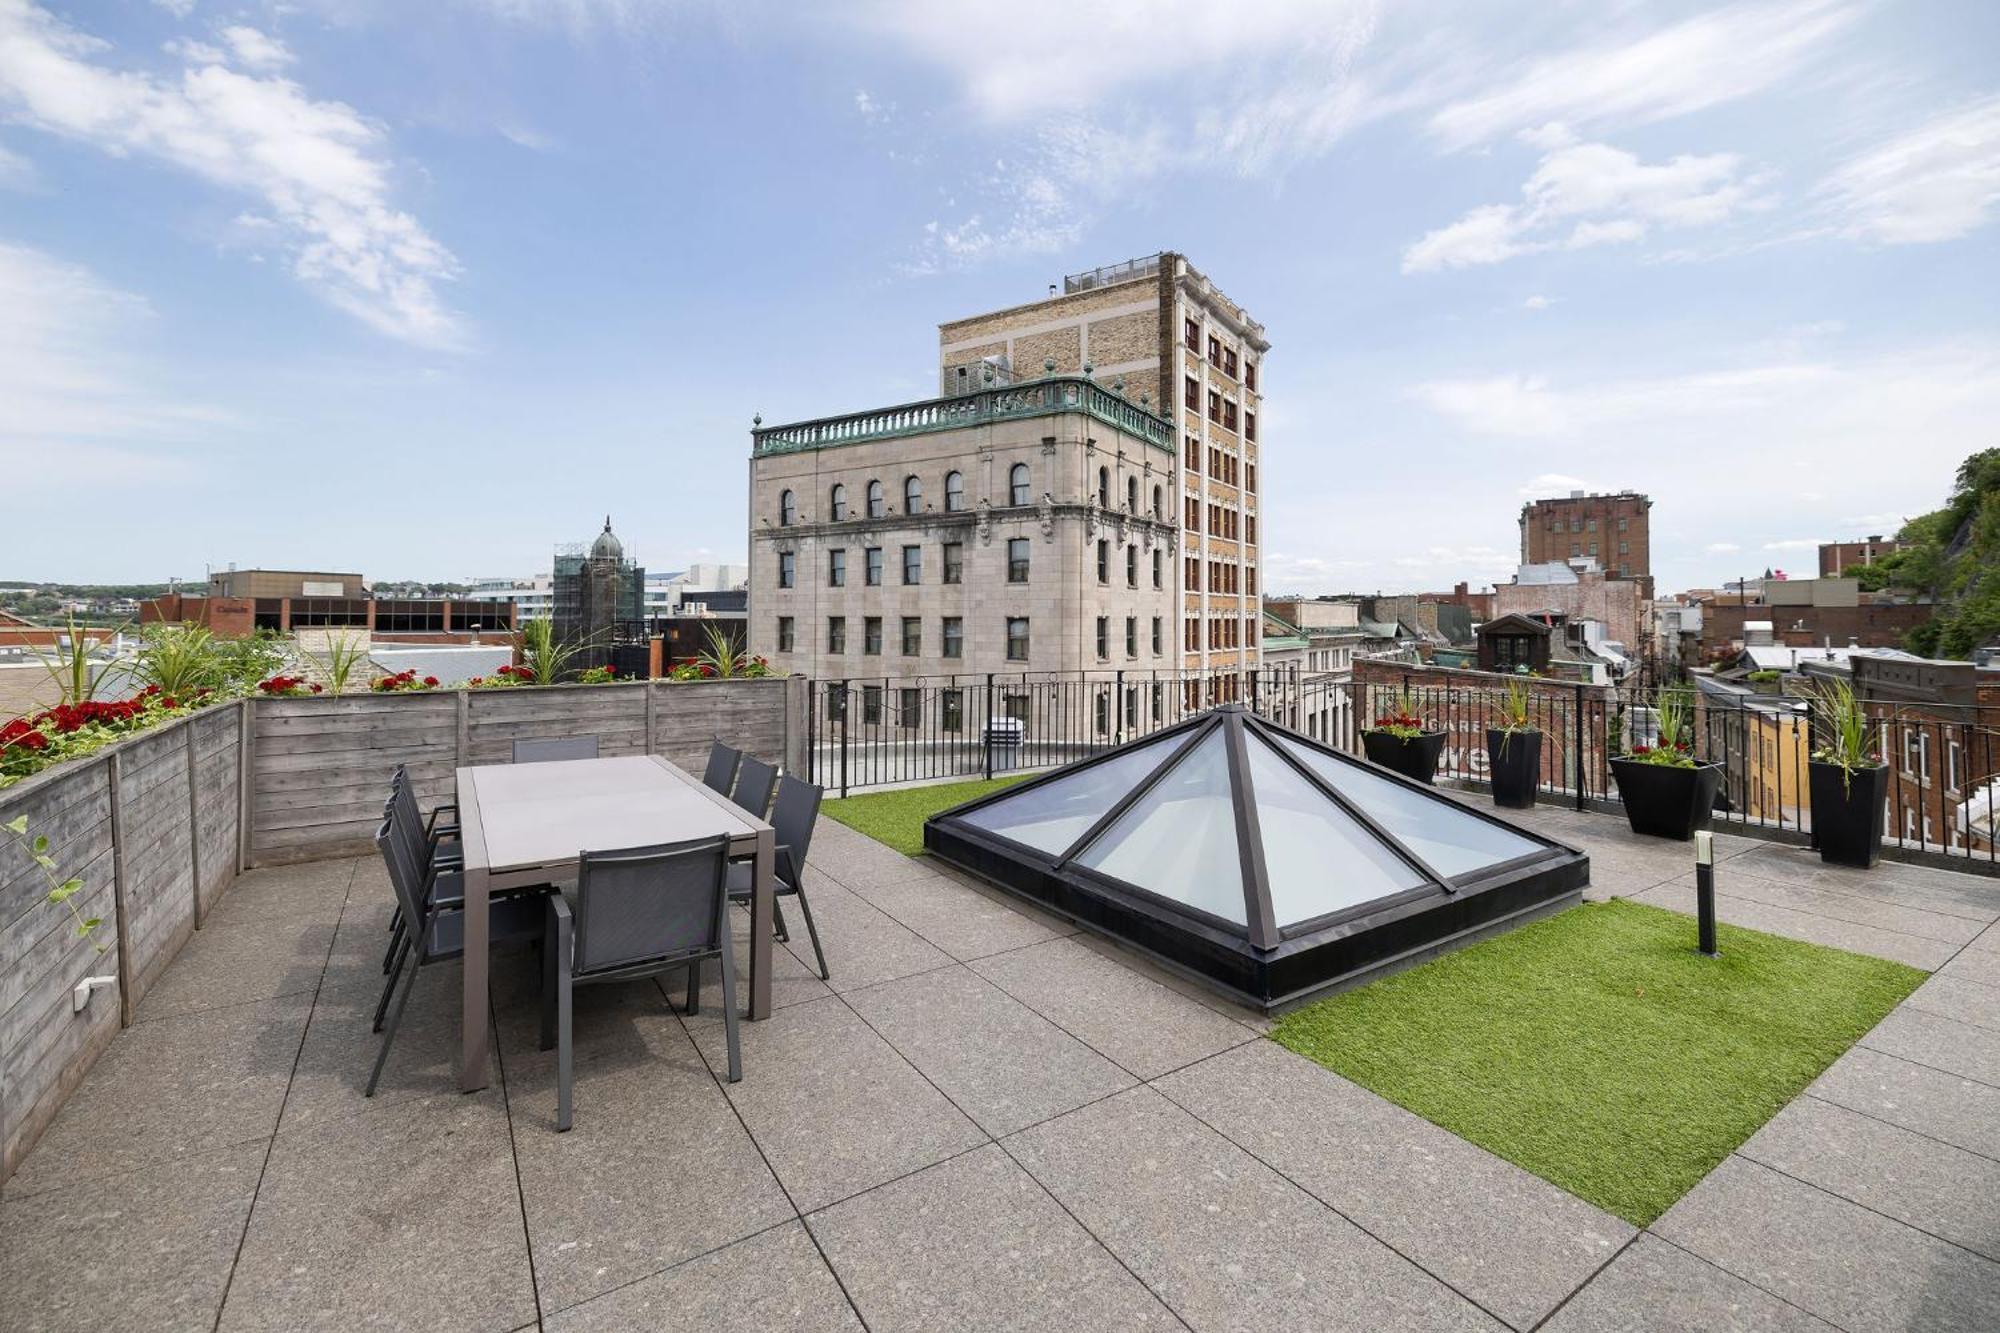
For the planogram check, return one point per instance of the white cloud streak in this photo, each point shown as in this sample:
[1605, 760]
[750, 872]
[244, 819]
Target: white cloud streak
[1937, 182]
[316, 167]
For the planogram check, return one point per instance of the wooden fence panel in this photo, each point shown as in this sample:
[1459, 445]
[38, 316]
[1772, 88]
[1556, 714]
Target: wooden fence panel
[320, 768]
[689, 716]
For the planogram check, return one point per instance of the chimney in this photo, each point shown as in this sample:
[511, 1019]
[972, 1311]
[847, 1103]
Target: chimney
[1052, 289]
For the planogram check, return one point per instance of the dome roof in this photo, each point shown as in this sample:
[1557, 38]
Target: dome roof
[607, 546]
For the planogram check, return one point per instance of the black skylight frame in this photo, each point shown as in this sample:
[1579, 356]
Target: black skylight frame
[1262, 963]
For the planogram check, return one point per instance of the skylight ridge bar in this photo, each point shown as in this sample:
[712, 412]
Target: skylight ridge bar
[1199, 728]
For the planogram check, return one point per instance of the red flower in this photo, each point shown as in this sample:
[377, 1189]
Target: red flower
[317, 687]
[33, 740]
[477, 680]
[431, 681]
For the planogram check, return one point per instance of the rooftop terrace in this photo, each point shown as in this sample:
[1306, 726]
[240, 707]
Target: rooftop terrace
[985, 1121]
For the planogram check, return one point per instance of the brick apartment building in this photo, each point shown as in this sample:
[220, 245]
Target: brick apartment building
[1185, 351]
[1806, 613]
[238, 602]
[1614, 529]
[1836, 558]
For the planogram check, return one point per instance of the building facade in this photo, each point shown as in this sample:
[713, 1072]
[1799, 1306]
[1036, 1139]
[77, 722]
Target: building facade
[1613, 529]
[1161, 333]
[243, 601]
[1836, 558]
[1019, 531]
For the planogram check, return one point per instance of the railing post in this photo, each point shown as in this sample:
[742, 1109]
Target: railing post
[812, 734]
[1254, 701]
[986, 728]
[1118, 710]
[846, 707]
[1581, 755]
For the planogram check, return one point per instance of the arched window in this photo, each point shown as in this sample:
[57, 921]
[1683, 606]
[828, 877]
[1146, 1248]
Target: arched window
[876, 503]
[913, 495]
[839, 502]
[788, 509]
[1131, 495]
[1104, 488]
[954, 492]
[1017, 484]
[1157, 514]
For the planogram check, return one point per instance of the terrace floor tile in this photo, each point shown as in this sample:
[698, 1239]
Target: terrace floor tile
[863, 946]
[1224, 1240]
[1940, 1105]
[998, 1060]
[1942, 1043]
[1849, 1265]
[772, 1282]
[1654, 1287]
[1510, 1240]
[223, 965]
[962, 921]
[1812, 927]
[975, 1244]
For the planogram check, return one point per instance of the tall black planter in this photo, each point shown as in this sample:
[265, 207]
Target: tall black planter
[1847, 813]
[1667, 802]
[1514, 758]
[1415, 758]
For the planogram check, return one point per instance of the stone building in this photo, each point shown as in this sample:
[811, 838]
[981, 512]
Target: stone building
[1178, 347]
[1019, 530]
[1612, 529]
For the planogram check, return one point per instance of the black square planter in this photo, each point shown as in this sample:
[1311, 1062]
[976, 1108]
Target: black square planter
[1847, 812]
[1514, 758]
[1667, 802]
[1415, 758]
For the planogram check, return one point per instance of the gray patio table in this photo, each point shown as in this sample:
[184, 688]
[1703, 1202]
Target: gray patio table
[527, 823]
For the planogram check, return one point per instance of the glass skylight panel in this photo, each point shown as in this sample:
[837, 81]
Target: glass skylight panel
[1317, 858]
[1452, 841]
[1179, 839]
[1051, 816]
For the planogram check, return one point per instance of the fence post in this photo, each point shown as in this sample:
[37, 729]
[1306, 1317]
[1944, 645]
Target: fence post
[845, 709]
[1581, 755]
[194, 819]
[246, 806]
[1254, 701]
[1118, 710]
[986, 728]
[118, 892]
[812, 733]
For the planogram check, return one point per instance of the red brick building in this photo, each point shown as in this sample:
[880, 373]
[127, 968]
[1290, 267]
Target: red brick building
[1613, 529]
[1837, 558]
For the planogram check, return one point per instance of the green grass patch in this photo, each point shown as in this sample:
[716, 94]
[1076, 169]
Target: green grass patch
[1598, 1050]
[897, 817]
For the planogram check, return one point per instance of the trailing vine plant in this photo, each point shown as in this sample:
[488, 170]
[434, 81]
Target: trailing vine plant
[61, 891]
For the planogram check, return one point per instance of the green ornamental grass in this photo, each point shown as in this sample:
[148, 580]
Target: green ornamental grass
[897, 817]
[1598, 1050]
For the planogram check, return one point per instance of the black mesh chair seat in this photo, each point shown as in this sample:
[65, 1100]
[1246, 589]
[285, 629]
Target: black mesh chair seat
[633, 914]
[720, 774]
[543, 750]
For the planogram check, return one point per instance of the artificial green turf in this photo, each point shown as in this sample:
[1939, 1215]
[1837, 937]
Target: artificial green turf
[1598, 1050]
[897, 817]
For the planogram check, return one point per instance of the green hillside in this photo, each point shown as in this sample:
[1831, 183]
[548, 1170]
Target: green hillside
[1954, 558]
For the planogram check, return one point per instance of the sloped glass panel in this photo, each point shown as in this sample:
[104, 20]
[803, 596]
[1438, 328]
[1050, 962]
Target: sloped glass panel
[1179, 839]
[1317, 858]
[1055, 814]
[1451, 840]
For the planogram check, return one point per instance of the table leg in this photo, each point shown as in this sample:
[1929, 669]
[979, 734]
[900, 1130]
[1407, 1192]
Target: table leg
[763, 900]
[472, 1025]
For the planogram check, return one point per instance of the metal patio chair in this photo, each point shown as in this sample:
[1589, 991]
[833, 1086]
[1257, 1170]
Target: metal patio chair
[721, 770]
[550, 749]
[637, 913]
[754, 781]
[792, 820]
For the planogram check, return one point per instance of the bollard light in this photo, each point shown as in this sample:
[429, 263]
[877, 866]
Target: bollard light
[1704, 891]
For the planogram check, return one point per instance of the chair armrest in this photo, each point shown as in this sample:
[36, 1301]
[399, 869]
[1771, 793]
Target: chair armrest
[431, 825]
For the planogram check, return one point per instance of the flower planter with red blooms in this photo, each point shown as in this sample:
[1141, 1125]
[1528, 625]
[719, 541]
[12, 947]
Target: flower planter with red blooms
[1666, 791]
[404, 682]
[503, 678]
[68, 731]
[1400, 742]
[287, 687]
[598, 675]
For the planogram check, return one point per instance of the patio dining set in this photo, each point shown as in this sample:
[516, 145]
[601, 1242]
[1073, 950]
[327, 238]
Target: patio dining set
[610, 869]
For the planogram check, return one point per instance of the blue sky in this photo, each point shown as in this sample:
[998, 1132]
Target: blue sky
[423, 289]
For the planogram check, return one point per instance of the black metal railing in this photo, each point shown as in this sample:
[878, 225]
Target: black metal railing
[1943, 793]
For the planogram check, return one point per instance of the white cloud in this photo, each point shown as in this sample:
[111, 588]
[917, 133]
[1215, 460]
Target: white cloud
[1554, 483]
[317, 167]
[1600, 194]
[1721, 548]
[256, 50]
[1938, 182]
[1795, 544]
[1536, 302]
[72, 392]
[180, 9]
[869, 109]
[1700, 62]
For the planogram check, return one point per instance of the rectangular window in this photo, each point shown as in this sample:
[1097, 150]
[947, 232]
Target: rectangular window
[1624, 548]
[1156, 567]
[1191, 394]
[1229, 362]
[1229, 414]
[836, 635]
[1159, 700]
[1101, 706]
[871, 704]
[954, 636]
[872, 574]
[951, 710]
[836, 569]
[1017, 638]
[954, 562]
[1131, 636]
[1015, 706]
[1193, 454]
[836, 703]
[913, 565]
[1250, 478]
[871, 636]
[1103, 637]
[788, 567]
[913, 636]
[1017, 560]
[1214, 350]
[1621, 524]
[1250, 425]
[1191, 334]
[1156, 638]
[1250, 534]
[1250, 375]
[909, 708]
[784, 634]
[1131, 566]
[1104, 562]
[1214, 406]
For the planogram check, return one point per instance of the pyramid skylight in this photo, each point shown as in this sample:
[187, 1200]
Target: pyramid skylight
[1253, 857]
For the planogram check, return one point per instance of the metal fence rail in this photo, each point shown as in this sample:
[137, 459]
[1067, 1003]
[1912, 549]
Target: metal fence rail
[1943, 793]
